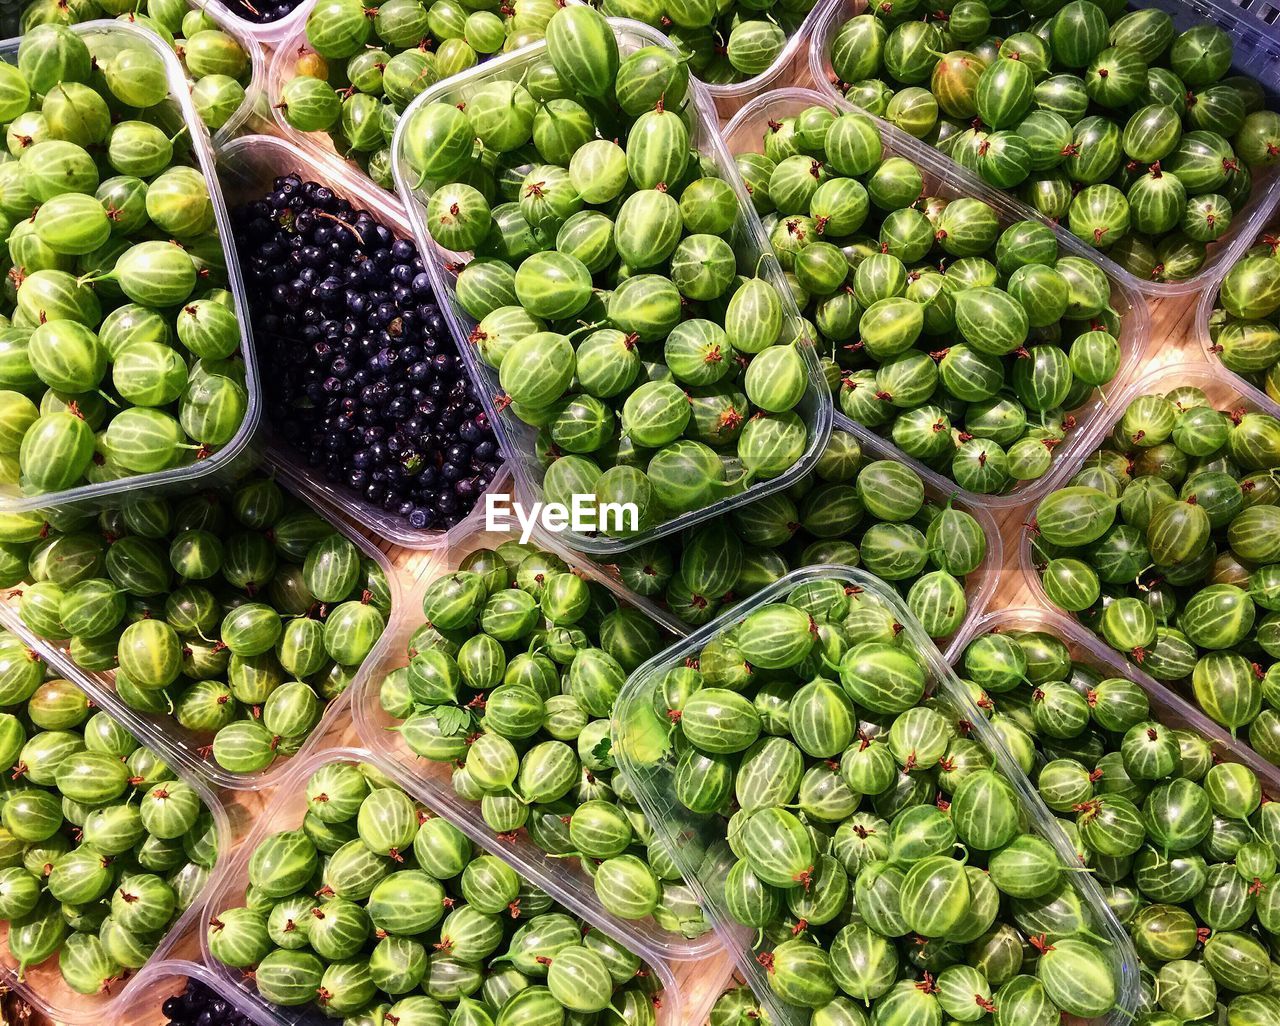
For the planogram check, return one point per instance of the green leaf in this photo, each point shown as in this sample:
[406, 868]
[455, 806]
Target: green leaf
[452, 720]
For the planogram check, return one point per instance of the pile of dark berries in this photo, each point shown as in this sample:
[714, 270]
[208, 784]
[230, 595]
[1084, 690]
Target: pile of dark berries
[200, 1006]
[262, 12]
[359, 371]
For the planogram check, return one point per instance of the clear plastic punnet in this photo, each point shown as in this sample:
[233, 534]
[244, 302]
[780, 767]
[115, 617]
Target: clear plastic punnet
[286, 48]
[238, 29]
[235, 28]
[43, 986]
[232, 458]
[745, 134]
[181, 747]
[1167, 706]
[1257, 56]
[247, 166]
[268, 34]
[1226, 391]
[645, 753]
[789, 65]
[281, 62]
[1265, 230]
[750, 244]
[688, 990]
[376, 728]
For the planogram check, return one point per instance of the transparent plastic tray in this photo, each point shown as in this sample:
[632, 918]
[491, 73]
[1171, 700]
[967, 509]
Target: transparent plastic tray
[233, 27]
[1167, 707]
[434, 779]
[163, 733]
[268, 34]
[751, 245]
[745, 134]
[789, 66]
[230, 459]
[645, 755]
[1226, 391]
[44, 987]
[237, 29]
[1257, 55]
[1268, 225]
[247, 166]
[286, 50]
[679, 1006]
[291, 44]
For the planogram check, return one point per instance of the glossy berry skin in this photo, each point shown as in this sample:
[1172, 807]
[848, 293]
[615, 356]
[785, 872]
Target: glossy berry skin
[263, 12]
[360, 374]
[200, 1006]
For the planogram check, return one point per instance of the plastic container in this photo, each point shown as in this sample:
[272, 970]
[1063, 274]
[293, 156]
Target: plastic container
[1257, 55]
[751, 244]
[1269, 225]
[285, 52]
[745, 134]
[1167, 707]
[789, 66]
[269, 33]
[234, 27]
[252, 46]
[434, 780]
[285, 812]
[247, 166]
[183, 748]
[44, 987]
[230, 459]
[291, 44]
[1226, 391]
[697, 841]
